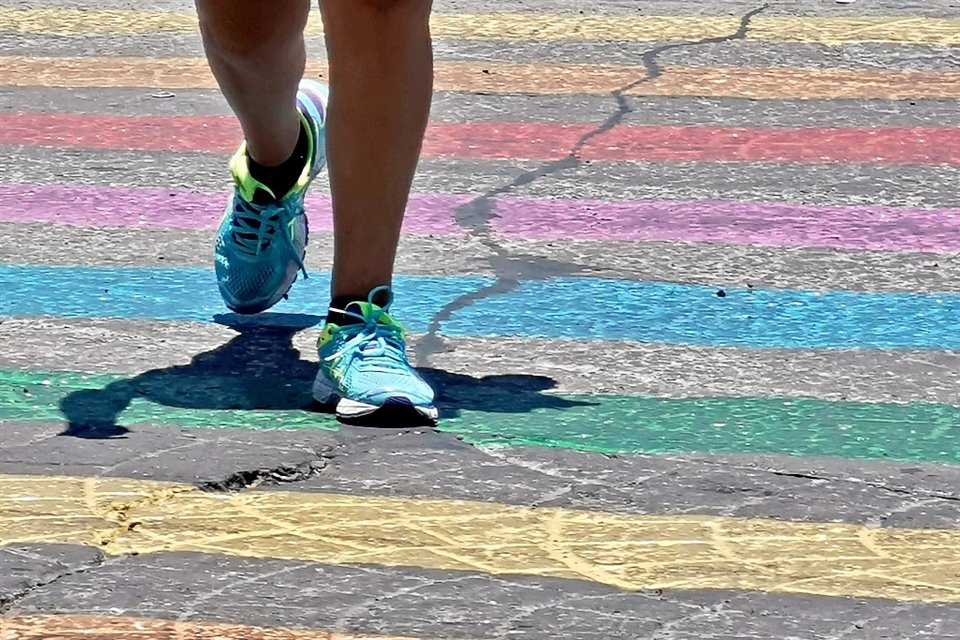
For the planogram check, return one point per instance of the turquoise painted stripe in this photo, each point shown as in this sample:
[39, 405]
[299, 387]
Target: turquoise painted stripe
[191, 397]
[579, 308]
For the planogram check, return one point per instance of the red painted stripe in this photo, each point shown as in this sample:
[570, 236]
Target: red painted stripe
[539, 141]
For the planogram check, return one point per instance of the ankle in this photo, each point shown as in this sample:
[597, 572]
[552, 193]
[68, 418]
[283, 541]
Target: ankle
[339, 303]
[282, 177]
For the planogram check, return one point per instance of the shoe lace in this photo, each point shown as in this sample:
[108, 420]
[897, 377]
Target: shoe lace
[372, 339]
[256, 227]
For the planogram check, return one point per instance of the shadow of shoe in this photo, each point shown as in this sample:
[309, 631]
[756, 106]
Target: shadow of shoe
[261, 369]
[508, 393]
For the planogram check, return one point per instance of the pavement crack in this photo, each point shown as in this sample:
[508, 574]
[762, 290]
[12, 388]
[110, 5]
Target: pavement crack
[431, 343]
[914, 493]
[123, 514]
[876, 485]
[9, 601]
[511, 269]
[804, 476]
[904, 491]
[279, 475]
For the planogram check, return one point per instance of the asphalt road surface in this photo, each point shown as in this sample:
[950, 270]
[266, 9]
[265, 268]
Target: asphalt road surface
[686, 274]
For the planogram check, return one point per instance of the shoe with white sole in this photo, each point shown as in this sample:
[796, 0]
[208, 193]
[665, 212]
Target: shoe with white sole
[364, 367]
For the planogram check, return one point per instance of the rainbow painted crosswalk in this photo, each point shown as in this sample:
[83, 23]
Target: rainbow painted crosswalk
[689, 286]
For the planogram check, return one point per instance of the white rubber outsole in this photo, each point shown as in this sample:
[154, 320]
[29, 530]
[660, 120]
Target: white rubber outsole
[351, 409]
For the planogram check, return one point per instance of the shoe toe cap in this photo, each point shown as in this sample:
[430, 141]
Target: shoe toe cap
[409, 387]
[252, 287]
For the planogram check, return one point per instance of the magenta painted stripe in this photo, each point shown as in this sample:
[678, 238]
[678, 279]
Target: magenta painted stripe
[80, 206]
[770, 224]
[755, 223]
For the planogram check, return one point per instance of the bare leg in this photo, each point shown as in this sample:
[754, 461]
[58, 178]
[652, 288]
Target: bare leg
[256, 52]
[381, 79]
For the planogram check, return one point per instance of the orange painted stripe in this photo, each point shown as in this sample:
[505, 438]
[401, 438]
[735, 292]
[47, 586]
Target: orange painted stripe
[507, 140]
[539, 79]
[70, 627]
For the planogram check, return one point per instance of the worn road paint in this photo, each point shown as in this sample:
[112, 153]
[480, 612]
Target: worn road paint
[78, 627]
[121, 516]
[132, 347]
[553, 308]
[513, 412]
[745, 223]
[537, 27]
[521, 140]
[757, 83]
[721, 265]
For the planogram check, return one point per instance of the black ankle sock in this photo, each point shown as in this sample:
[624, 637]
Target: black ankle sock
[336, 315]
[281, 178]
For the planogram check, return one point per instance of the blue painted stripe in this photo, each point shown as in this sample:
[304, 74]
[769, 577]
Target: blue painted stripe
[581, 308]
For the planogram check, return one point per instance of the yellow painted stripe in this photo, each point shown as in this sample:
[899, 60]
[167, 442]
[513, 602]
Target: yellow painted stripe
[630, 552]
[70, 627]
[538, 27]
[717, 82]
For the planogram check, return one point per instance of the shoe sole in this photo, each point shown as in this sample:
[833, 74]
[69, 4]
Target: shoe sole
[395, 412]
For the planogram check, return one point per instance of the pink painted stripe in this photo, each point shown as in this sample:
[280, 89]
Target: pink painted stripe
[769, 224]
[79, 206]
[745, 223]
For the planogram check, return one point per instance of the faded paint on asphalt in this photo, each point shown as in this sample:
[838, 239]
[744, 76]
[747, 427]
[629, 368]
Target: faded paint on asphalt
[631, 553]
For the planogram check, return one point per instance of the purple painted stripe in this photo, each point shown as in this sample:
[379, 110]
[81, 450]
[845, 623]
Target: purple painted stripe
[179, 209]
[770, 224]
[767, 224]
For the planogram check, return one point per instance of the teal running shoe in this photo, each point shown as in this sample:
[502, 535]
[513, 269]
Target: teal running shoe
[260, 248]
[365, 371]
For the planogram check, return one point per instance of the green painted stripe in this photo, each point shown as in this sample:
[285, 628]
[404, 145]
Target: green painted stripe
[489, 415]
